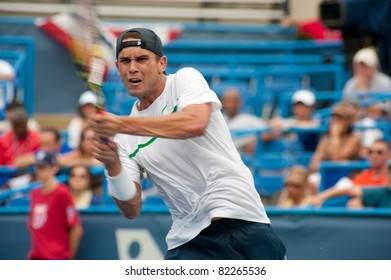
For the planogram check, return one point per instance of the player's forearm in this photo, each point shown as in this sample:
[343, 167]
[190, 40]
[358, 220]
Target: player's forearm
[189, 123]
[130, 209]
[166, 127]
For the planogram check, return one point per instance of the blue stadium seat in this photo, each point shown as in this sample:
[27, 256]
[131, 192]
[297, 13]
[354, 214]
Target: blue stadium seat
[332, 171]
[268, 185]
[19, 201]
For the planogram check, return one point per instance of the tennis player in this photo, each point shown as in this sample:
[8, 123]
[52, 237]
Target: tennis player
[177, 135]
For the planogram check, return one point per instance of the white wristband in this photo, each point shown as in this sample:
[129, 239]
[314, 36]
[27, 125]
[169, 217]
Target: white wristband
[120, 186]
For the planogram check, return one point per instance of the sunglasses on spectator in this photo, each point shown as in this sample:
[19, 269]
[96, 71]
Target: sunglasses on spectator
[291, 184]
[83, 176]
[378, 152]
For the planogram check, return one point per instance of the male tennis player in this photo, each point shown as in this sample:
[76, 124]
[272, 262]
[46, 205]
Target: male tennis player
[177, 135]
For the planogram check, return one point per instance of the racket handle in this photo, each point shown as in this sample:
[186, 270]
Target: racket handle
[102, 111]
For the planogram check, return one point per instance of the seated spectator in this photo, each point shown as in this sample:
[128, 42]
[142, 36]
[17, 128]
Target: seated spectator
[50, 140]
[303, 104]
[360, 197]
[373, 115]
[338, 144]
[375, 176]
[6, 125]
[20, 140]
[311, 29]
[366, 75]
[87, 107]
[231, 103]
[296, 192]
[80, 182]
[83, 154]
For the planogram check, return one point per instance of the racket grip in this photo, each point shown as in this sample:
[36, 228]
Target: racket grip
[101, 111]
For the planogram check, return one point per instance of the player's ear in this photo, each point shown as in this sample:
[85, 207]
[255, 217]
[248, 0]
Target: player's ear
[162, 64]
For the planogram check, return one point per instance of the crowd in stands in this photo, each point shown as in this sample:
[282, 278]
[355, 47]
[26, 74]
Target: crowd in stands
[356, 129]
[22, 140]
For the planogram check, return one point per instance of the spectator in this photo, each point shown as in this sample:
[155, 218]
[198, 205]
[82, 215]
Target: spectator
[338, 144]
[20, 140]
[50, 140]
[53, 221]
[373, 115]
[296, 192]
[87, 106]
[231, 104]
[303, 104]
[83, 154]
[7, 71]
[313, 29]
[80, 182]
[6, 125]
[366, 75]
[375, 176]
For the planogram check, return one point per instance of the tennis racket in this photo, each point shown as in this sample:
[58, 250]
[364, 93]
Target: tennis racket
[88, 50]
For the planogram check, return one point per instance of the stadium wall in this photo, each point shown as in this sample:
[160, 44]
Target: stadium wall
[328, 234]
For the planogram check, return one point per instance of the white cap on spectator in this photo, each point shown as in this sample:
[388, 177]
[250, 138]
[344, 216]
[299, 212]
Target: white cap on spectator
[367, 56]
[88, 97]
[304, 96]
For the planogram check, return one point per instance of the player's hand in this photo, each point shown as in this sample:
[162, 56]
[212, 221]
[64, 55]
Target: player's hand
[106, 152]
[105, 125]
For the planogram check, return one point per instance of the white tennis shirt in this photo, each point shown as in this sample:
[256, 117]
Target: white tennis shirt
[198, 178]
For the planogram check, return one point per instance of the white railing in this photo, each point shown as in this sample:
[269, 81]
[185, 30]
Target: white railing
[247, 11]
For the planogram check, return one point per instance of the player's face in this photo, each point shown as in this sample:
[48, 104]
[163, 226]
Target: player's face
[141, 72]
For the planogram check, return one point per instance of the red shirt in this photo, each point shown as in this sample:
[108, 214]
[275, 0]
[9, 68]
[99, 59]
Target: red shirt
[51, 217]
[11, 146]
[367, 179]
[317, 30]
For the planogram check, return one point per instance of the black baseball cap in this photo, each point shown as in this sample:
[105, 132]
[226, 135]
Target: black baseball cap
[45, 158]
[149, 41]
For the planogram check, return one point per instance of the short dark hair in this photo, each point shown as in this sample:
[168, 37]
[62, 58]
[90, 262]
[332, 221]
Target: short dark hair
[55, 131]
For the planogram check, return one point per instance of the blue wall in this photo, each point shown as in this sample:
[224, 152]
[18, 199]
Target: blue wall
[57, 86]
[328, 234]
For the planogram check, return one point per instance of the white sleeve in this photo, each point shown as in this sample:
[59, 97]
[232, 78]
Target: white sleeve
[192, 88]
[130, 166]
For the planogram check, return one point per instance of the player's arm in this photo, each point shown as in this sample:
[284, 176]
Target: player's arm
[75, 234]
[190, 122]
[131, 208]
[126, 193]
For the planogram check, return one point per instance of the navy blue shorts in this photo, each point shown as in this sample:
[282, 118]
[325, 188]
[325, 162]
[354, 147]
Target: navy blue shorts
[231, 239]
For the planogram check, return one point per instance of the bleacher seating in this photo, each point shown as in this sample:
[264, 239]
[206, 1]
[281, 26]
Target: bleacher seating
[223, 31]
[267, 69]
[244, 11]
[332, 171]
